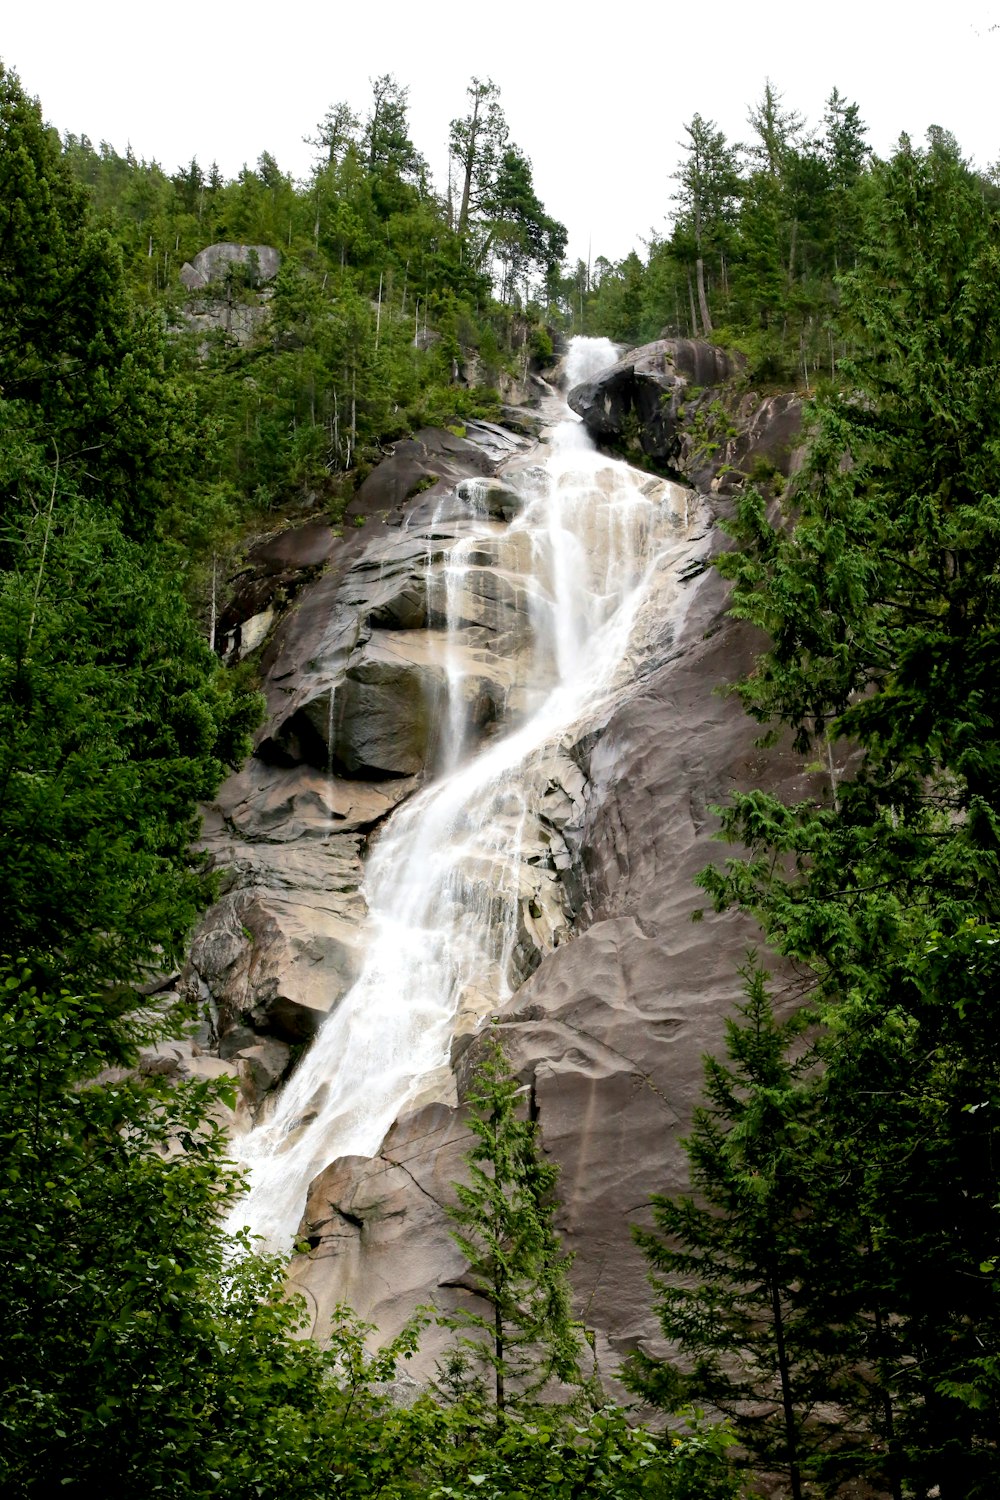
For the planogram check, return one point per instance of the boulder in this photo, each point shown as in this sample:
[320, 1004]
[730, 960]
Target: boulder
[212, 263]
[639, 399]
[678, 404]
[279, 948]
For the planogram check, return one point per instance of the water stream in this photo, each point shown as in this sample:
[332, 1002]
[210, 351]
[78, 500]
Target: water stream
[446, 881]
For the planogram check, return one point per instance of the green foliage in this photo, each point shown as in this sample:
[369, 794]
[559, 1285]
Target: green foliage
[549, 1459]
[364, 334]
[115, 721]
[878, 594]
[143, 1351]
[759, 236]
[114, 724]
[503, 1225]
[728, 1266]
[83, 369]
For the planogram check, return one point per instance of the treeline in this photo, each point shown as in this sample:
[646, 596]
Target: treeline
[394, 307]
[834, 1284]
[761, 233]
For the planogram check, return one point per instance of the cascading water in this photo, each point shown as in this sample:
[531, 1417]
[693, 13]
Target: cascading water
[448, 882]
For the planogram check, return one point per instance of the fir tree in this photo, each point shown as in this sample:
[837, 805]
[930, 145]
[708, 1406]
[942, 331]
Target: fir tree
[880, 602]
[503, 1224]
[728, 1265]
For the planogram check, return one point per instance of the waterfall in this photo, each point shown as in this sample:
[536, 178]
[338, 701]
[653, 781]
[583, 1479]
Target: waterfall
[449, 882]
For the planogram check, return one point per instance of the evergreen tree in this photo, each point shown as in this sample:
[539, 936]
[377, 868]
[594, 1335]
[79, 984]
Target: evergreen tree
[114, 719]
[521, 233]
[729, 1265]
[777, 132]
[503, 1225]
[85, 367]
[708, 184]
[476, 142]
[880, 603]
[337, 130]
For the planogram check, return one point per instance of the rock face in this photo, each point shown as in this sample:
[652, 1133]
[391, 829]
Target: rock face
[218, 301]
[617, 992]
[674, 404]
[211, 264]
[353, 693]
[609, 1030]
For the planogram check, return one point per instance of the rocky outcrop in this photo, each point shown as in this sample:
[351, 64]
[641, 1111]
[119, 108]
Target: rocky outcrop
[677, 404]
[610, 1028]
[228, 288]
[211, 265]
[617, 990]
[276, 568]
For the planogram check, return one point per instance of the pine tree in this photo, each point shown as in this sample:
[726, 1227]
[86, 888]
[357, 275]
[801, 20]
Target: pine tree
[503, 1224]
[476, 142]
[708, 185]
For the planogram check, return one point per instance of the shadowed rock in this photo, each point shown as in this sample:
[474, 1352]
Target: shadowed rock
[677, 403]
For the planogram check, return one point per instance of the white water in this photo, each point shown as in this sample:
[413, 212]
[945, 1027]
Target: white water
[444, 882]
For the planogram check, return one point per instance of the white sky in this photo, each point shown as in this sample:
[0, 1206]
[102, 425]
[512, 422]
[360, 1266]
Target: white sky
[596, 95]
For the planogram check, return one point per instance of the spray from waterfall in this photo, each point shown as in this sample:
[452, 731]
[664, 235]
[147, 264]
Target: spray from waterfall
[447, 883]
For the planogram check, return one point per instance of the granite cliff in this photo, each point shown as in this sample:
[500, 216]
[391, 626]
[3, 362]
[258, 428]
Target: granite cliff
[614, 992]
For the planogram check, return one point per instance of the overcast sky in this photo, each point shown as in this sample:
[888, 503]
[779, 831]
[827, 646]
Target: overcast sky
[597, 96]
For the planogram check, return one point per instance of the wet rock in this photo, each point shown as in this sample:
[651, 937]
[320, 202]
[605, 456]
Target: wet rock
[609, 1026]
[379, 1236]
[354, 697]
[280, 947]
[638, 400]
[678, 404]
[727, 437]
[264, 1064]
[276, 568]
[618, 991]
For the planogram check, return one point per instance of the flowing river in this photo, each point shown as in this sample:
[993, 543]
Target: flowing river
[599, 542]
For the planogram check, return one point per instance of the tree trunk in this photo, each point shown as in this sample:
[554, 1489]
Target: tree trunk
[888, 1416]
[45, 548]
[694, 315]
[786, 1394]
[469, 165]
[706, 321]
[791, 251]
[498, 1367]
